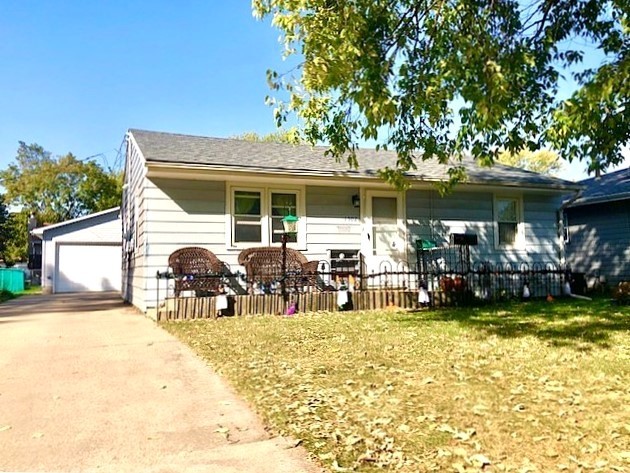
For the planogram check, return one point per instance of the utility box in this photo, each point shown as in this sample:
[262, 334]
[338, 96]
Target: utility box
[345, 262]
[468, 239]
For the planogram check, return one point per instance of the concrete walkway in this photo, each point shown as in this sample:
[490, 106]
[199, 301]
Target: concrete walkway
[88, 384]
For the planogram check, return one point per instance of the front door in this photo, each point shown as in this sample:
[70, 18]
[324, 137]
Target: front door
[384, 244]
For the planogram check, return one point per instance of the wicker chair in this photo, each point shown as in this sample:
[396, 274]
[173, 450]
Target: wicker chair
[190, 261]
[264, 265]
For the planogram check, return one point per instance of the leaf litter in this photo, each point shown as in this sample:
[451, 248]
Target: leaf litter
[369, 391]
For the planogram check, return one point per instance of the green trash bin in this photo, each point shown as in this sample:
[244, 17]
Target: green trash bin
[425, 244]
[11, 280]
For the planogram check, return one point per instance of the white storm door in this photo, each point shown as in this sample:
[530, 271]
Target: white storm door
[384, 241]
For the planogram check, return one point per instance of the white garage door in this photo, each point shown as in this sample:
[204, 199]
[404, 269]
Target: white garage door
[88, 268]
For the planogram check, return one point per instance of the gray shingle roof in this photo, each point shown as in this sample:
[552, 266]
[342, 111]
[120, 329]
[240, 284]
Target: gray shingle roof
[612, 186]
[239, 155]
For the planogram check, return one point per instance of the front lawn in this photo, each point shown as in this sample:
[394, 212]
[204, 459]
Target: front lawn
[533, 387]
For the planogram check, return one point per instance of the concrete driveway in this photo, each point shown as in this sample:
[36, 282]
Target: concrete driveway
[88, 384]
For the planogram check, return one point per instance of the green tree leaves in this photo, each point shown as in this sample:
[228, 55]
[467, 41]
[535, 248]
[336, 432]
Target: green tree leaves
[53, 190]
[542, 161]
[436, 79]
[58, 189]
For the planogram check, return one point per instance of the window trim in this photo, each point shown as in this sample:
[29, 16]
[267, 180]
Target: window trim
[265, 218]
[520, 222]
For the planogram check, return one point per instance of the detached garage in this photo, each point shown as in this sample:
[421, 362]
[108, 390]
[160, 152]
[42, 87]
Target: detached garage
[82, 255]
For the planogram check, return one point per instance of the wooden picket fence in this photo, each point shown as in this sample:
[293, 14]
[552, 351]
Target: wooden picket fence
[188, 308]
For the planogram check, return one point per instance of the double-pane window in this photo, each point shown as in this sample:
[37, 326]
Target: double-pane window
[507, 220]
[257, 215]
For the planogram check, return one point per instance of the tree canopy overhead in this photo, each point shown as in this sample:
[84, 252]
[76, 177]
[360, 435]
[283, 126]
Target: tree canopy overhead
[55, 189]
[287, 136]
[442, 78]
[542, 161]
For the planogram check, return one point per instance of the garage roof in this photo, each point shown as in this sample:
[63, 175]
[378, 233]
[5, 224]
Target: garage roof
[39, 232]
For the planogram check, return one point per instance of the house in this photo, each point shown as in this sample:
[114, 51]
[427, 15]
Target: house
[83, 254]
[226, 195]
[598, 228]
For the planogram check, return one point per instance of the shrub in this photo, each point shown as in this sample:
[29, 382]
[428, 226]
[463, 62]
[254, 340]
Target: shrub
[622, 292]
[6, 295]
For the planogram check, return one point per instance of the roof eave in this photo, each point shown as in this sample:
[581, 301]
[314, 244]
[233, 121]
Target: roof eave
[350, 174]
[599, 200]
[39, 231]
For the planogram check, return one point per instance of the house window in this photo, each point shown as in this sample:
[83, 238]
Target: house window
[257, 213]
[282, 204]
[565, 228]
[247, 217]
[507, 215]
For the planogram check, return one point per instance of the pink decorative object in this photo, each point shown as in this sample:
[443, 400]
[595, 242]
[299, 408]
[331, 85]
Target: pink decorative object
[292, 309]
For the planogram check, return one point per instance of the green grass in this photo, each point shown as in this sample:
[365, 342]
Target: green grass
[31, 290]
[523, 387]
[8, 295]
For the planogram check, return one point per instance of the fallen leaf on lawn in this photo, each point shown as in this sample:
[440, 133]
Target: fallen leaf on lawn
[353, 440]
[460, 452]
[459, 467]
[479, 460]
[464, 435]
[335, 466]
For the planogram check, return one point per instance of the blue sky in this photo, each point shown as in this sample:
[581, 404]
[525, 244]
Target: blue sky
[75, 75]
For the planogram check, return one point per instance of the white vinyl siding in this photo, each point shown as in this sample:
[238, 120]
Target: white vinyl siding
[432, 217]
[600, 240]
[133, 215]
[333, 222]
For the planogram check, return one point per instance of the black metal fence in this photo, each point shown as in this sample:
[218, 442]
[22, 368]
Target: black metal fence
[445, 275]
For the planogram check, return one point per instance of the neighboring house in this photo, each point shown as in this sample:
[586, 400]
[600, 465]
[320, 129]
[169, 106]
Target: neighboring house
[598, 228]
[82, 255]
[227, 195]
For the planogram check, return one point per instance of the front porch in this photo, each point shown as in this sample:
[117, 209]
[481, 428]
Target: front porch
[439, 277]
